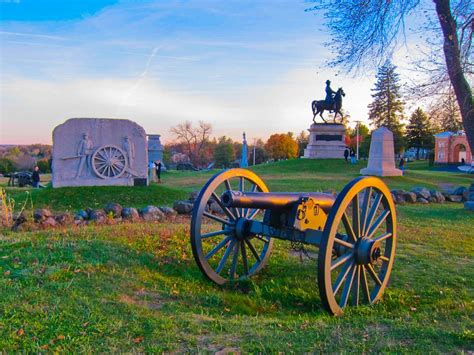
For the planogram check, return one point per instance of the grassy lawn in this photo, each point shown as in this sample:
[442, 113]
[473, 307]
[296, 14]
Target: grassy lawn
[136, 287]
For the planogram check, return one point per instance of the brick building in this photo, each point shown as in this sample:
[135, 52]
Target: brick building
[452, 148]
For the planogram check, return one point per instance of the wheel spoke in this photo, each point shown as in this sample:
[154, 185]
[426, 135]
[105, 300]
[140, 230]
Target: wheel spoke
[383, 237]
[263, 239]
[341, 260]
[225, 209]
[377, 223]
[342, 276]
[348, 227]
[217, 218]
[252, 213]
[344, 243]
[225, 257]
[373, 274]
[235, 258]
[252, 249]
[218, 247]
[229, 188]
[347, 287]
[365, 209]
[373, 211]
[384, 258]
[244, 258]
[213, 234]
[356, 287]
[365, 286]
[356, 215]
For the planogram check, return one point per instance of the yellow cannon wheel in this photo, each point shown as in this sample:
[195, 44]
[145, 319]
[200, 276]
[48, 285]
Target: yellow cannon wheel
[358, 245]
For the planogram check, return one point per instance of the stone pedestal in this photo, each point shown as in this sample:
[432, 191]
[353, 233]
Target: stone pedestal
[326, 141]
[381, 155]
[155, 148]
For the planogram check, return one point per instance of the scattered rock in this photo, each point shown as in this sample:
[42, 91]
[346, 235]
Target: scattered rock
[81, 215]
[183, 207]
[394, 198]
[130, 213]
[422, 200]
[114, 209]
[42, 214]
[98, 216]
[401, 200]
[459, 190]
[168, 211]
[421, 192]
[152, 213]
[18, 220]
[438, 196]
[469, 205]
[49, 222]
[193, 196]
[214, 207]
[433, 199]
[63, 218]
[410, 197]
[453, 198]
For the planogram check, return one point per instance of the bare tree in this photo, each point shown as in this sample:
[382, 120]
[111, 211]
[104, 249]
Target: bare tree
[194, 138]
[364, 31]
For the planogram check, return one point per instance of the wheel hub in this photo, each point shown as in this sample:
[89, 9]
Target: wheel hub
[242, 229]
[367, 251]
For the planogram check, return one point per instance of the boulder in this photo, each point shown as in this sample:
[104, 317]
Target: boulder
[401, 200]
[453, 198]
[130, 213]
[151, 214]
[422, 200]
[49, 222]
[98, 216]
[459, 190]
[113, 209]
[168, 211]
[394, 198]
[18, 220]
[410, 197]
[433, 199]
[438, 196]
[63, 218]
[469, 205]
[183, 207]
[214, 207]
[42, 214]
[81, 215]
[422, 192]
[193, 196]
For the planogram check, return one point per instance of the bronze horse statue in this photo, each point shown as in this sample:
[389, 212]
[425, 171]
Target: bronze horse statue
[319, 106]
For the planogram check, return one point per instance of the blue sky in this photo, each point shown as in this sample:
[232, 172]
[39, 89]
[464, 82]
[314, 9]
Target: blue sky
[241, 65]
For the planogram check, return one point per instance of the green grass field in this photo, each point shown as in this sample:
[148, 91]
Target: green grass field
[136, 287]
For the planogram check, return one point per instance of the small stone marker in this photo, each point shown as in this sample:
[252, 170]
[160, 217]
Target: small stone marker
[381, 155]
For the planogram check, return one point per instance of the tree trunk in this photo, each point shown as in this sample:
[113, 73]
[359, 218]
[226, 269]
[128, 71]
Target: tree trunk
[452, 55]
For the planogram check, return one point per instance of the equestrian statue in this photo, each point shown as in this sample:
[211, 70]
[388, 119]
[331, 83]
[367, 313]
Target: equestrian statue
[332, 102]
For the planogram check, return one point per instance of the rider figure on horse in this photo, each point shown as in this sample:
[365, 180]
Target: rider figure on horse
[329, 100]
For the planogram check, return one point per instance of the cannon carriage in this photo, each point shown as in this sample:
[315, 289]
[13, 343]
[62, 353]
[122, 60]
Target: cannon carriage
[236, 219]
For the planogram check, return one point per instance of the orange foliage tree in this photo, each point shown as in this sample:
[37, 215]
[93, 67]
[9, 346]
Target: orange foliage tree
[281, 146]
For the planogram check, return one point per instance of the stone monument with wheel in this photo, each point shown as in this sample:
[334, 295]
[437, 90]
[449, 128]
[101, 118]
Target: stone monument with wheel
[99, 151]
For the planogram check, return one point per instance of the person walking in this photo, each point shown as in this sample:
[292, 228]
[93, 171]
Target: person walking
[158, 170]
[35, 177]
[401, 165]
[353, 156]
[346, 155]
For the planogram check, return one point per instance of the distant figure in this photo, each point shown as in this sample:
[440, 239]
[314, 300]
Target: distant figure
[353, 156]
[35, 177]
[158, 170]
[346, 155]
[401, 165]
[463, 161]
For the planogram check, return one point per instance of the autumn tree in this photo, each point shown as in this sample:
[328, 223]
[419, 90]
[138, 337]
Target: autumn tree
[224, 152]
[387, 106]
[281, 146]
[367, 32]
[419, 131]
[194, 139]
[302, 140]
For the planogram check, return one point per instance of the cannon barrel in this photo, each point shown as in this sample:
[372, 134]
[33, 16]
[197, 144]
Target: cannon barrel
[274, 200]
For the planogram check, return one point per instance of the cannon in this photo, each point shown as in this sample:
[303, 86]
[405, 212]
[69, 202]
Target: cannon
[236, 219]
